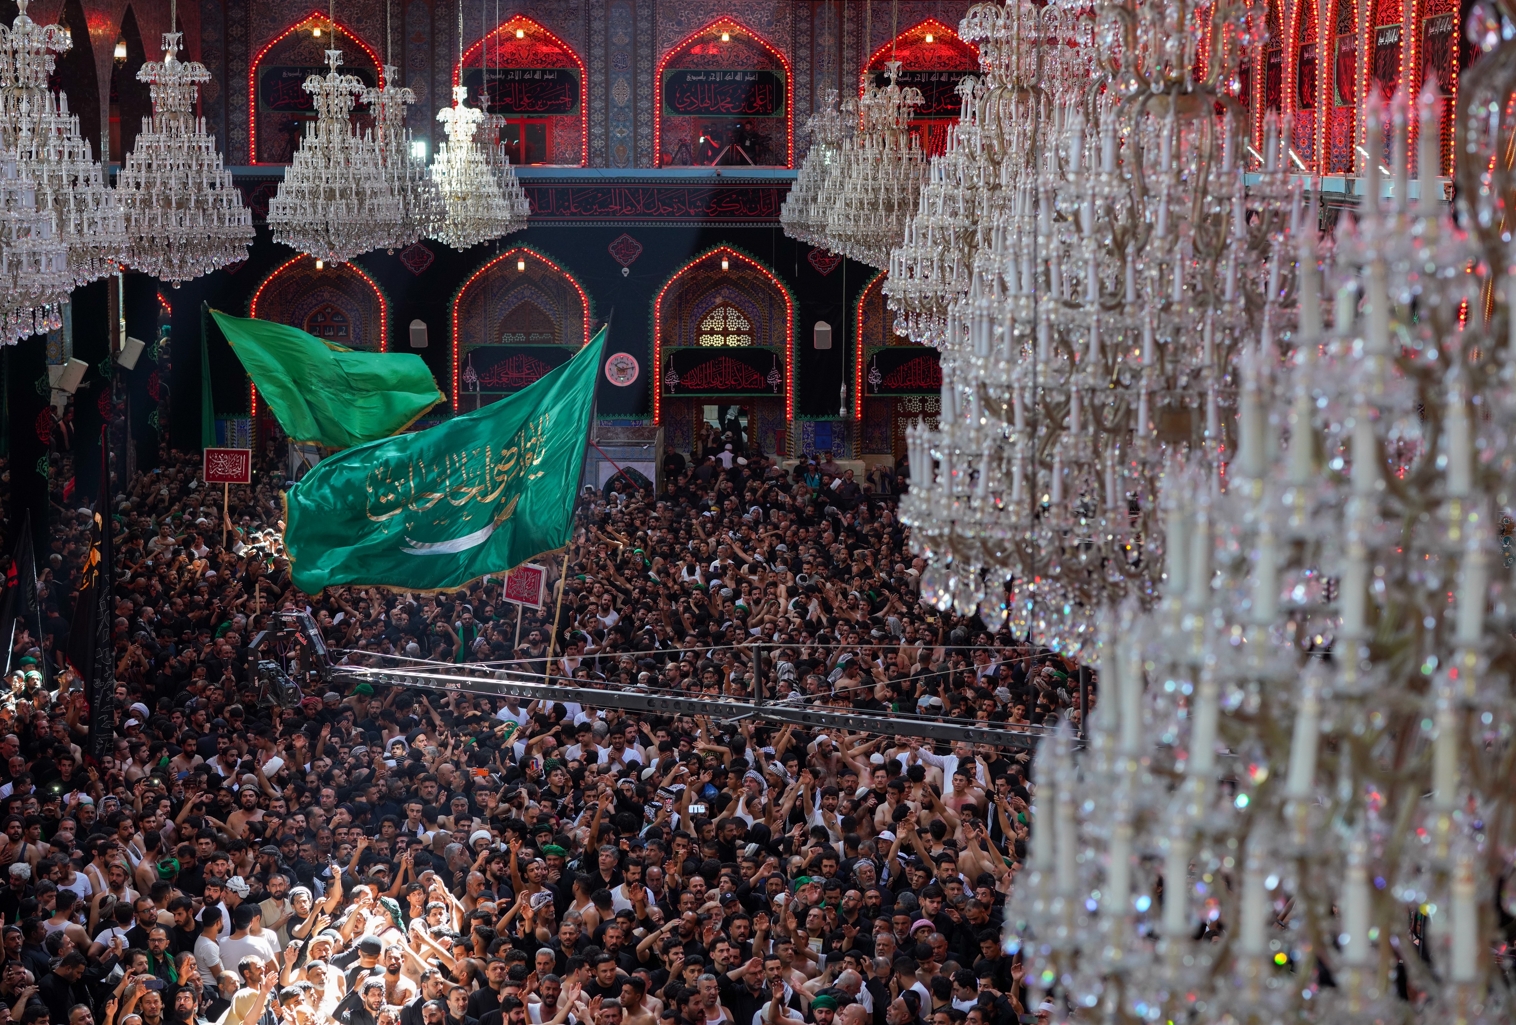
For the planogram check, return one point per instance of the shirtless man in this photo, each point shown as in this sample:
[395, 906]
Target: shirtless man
[634, 1003]
[247, 811]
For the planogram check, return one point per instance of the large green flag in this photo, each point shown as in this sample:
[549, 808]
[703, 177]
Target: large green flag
[326, 394]
[480, 493]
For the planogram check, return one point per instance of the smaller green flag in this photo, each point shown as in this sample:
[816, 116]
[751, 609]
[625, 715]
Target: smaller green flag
[480, 493]
[327, 394]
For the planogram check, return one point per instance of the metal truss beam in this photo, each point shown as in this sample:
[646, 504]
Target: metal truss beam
[641, 700]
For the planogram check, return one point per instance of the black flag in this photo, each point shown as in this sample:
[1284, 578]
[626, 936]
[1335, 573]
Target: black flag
[91, 650]
[21, 611]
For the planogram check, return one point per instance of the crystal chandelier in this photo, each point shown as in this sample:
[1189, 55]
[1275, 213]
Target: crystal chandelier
[806, 206]
[184, 215]
[879, 174]
[1295, 800]
[477, 211]
[1115, 270]
[421, 209]
[498, 160]
[338, 198]
[482, 198]
[55, 191]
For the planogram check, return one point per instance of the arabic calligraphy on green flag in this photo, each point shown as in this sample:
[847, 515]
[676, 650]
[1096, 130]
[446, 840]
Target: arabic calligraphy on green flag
[327, 394]
[480, 493]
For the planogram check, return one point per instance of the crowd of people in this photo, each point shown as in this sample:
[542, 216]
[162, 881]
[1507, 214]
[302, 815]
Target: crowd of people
[388, 856]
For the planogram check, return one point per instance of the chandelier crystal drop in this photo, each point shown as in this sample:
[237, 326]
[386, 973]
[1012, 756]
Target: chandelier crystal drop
[477, 210]
[498, 158]
[1294, 802]
[337, 199]
[806, 206]
[879, 174]
[184, 215]
[1115, 271]
[421, 208]
[55, 191]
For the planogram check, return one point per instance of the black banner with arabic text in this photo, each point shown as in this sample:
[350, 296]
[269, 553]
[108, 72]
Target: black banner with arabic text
[525, 92]
[720, 92]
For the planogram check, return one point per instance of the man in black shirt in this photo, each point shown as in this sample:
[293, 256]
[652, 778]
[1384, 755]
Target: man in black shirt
[487, 997]
[607, 980]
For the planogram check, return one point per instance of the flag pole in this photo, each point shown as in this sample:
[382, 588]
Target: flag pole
[552, 640]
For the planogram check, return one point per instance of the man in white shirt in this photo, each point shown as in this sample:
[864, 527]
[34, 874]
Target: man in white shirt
[207, 949]
[512, 710]
[247, 936]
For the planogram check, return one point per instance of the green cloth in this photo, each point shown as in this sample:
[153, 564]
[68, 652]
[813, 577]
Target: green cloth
[478, 494]
[326, 394]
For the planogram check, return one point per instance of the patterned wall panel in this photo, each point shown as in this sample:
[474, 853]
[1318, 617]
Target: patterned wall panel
[801, 30]
[213, 94]
[620, 72]
[645, 57]
[417, 70]
[598, 126]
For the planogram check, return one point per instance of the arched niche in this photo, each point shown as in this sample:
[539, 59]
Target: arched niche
[1436, 55]
[1270, 85]
[338, 303]
[1304, 87]
[538, 84]
[895, 381]
[698, 368]
[277, 102]
[934, 60]
[1343, 93]
[514, 319]
[724, 97]
[131, 100]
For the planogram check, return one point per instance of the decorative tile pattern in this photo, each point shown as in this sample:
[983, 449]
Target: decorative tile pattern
[823, 261]
[417, 72]
[625, 250]
[597, 65]
[619, 70]
[645, 61]
[213, 55]
[416, 257]
[237, 56]
[800, 58]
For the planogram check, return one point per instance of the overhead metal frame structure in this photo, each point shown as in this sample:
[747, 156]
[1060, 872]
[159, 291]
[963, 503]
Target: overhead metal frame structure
[528, 688]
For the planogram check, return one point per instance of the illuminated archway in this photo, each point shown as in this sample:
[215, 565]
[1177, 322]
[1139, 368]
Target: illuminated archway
[299, 294]
[1268, 86]
[724, 97]
[538, 83]
[520, 315]
[895, 381]
[1434, 53]
[1303, 86]
[276, 98]
[1386, 47]
[934, 60]
[726, 279]
[1342, 92]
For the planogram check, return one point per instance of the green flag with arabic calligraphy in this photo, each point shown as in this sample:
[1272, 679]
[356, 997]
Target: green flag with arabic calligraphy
[327, 394]
[481, 493]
